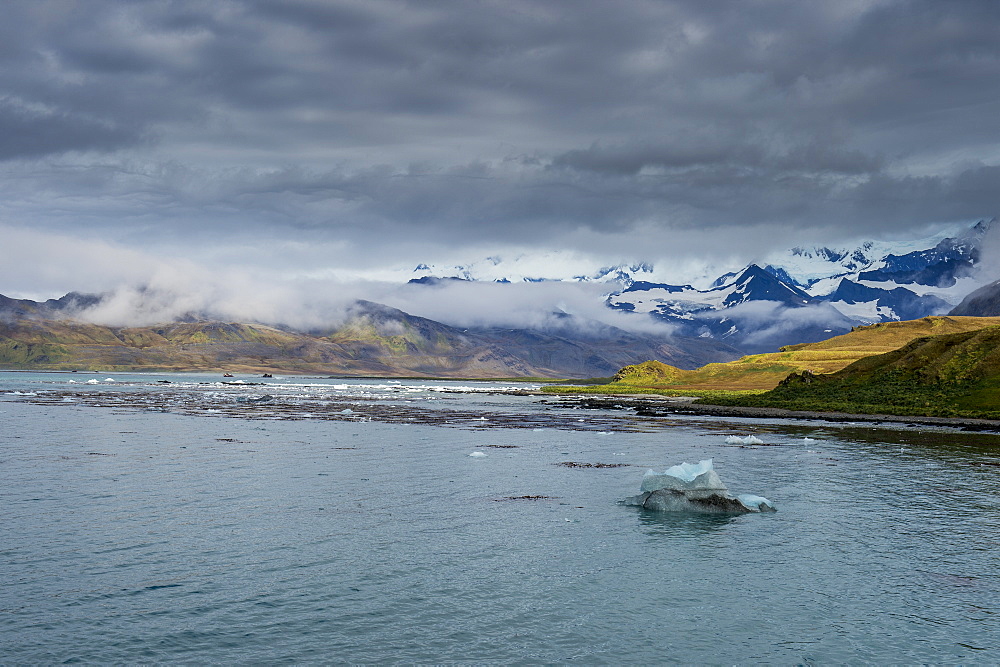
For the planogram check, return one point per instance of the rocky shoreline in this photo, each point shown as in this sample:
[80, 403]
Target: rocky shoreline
[662, 406]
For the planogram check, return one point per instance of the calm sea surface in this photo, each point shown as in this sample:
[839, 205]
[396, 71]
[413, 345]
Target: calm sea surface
[170, 518]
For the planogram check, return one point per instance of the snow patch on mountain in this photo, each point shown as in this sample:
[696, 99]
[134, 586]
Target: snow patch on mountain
[865, 312]
[950, 294]
[808, 266]
[534, 268]
[686, 303]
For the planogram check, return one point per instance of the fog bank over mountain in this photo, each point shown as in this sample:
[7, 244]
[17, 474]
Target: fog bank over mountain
[800, 294]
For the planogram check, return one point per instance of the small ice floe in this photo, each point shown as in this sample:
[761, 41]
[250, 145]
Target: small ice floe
[808, 439]
[95, 381]
[478, 455]
[347, 411]
[694, 487]
[109, 379]
[743, 440]
[266, 398]
[22, 393]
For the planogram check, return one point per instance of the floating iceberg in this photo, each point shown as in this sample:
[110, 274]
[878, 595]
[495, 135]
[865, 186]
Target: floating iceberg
[748, 440]
[694, 487]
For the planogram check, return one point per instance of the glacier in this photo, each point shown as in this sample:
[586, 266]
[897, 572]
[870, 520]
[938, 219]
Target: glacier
[694, 487]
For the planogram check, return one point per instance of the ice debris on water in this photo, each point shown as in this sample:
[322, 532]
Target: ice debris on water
[477, 455]
[756, 503]
[694, 487]
[745, 440]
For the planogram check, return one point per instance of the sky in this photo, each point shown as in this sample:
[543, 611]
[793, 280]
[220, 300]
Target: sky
[273, 155]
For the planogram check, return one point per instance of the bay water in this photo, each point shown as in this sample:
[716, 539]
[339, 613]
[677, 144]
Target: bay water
[180, 518]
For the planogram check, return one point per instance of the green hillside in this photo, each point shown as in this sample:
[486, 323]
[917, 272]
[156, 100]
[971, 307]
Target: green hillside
[761, 372]
[953, 375]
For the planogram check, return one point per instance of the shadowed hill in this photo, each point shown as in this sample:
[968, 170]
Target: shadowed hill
[984, 302]
[764, 371]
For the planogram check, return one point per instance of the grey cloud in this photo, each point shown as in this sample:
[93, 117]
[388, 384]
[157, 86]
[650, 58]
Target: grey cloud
[33, 132]
[685, 153]
[390, 125]
[479, 203]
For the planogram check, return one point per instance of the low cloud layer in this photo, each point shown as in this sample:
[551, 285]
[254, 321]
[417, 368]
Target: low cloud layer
[142, 289]
[320, 305]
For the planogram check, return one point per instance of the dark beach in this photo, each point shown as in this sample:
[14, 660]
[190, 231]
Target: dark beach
[661, 406]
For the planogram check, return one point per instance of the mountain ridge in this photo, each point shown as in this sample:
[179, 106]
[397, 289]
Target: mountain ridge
[375, 340]
[812, 292]
[865, 289]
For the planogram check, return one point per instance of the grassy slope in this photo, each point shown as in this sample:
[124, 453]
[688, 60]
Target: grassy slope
[63, 345]
[952, 375]
[358, 348]
[761, 372]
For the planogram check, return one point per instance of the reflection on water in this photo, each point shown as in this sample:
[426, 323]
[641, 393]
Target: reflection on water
[683, 524]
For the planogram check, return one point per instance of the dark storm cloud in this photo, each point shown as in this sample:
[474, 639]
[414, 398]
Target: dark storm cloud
[32, 132]
[386, 122]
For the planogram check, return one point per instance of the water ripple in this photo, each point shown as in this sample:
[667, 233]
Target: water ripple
[291, 531]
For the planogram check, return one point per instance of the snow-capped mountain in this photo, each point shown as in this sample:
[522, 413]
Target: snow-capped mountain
[674, 302]
[526, 268]
[818, 293]
[750, 309]
[896, 261]
[795, 296]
